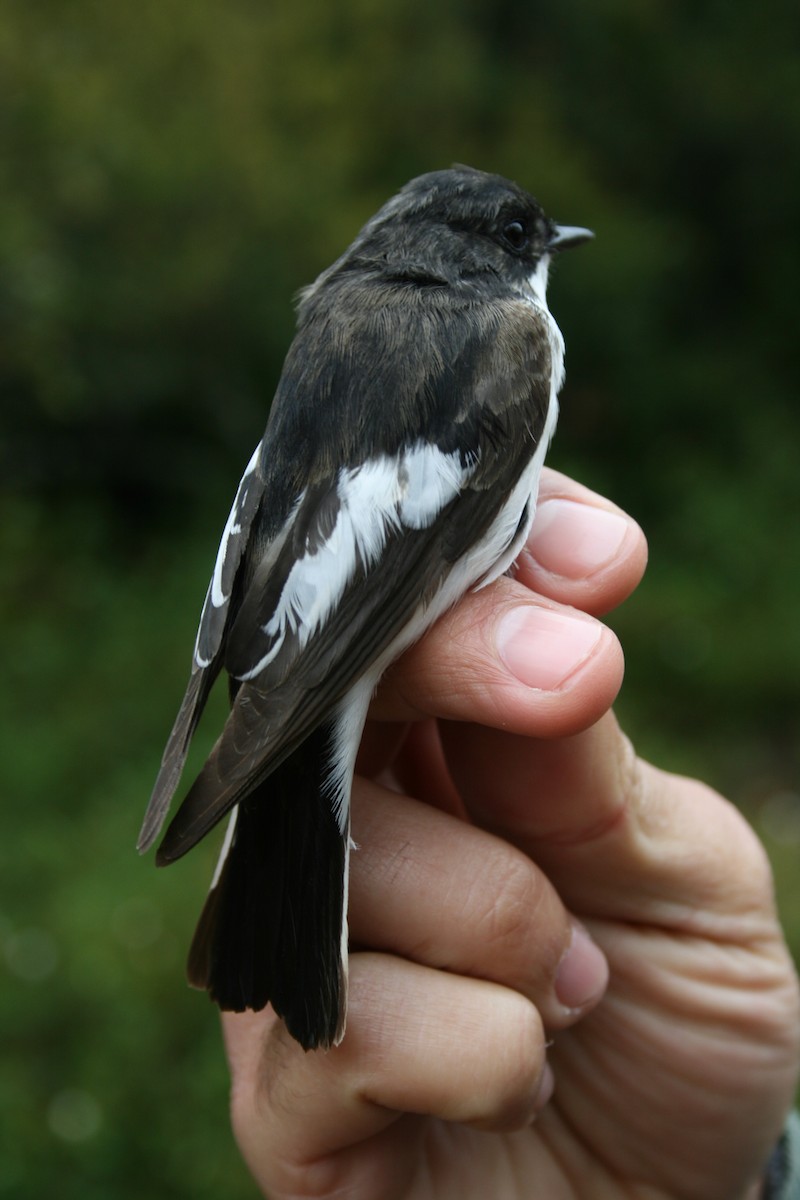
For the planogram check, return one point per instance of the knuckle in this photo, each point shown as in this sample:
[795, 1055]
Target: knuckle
[509, 1097]
[509, 917]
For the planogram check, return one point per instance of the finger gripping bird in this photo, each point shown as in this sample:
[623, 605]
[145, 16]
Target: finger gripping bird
[399, 468]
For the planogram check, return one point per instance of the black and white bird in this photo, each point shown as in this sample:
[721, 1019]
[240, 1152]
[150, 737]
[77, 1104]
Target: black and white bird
[399, 468]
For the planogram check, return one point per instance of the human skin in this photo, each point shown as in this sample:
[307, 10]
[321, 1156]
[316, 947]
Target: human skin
[567, 977]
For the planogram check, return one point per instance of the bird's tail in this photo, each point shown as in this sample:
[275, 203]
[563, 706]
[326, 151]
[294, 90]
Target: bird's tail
[274, 926]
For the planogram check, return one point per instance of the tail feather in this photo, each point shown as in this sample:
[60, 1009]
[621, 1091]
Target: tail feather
[272, 927]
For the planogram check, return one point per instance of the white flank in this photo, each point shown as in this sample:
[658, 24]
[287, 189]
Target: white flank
[347, 729]
[348, 724]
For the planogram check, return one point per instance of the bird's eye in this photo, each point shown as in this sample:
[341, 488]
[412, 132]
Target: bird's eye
[515, 235]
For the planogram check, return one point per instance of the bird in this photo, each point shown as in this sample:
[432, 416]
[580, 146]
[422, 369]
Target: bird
[399, 469]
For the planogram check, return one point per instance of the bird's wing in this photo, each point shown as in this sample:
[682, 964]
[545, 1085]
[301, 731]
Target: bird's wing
[207, 658]
[369, 544]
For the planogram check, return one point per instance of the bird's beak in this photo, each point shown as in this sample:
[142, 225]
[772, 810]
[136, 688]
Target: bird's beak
[565, 236]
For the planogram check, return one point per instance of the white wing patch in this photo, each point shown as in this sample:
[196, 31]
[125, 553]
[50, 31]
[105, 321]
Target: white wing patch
[217, 596]
[232, 529]
[430, 481]
[376, 499]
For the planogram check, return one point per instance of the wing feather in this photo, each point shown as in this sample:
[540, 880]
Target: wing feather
[207, 660]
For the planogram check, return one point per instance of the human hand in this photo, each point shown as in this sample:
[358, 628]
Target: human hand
[674, 1051]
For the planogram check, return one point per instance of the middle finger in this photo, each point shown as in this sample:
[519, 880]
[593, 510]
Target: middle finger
[428, 887]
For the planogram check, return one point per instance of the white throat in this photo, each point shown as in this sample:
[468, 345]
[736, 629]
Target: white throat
[535, 294]
[537, 282]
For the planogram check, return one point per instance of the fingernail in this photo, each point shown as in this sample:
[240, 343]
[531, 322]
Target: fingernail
[582, 974]
[575, 540]
[546, 1087]
[541, 647]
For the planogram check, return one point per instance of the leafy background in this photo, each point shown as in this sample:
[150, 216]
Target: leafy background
[170, 174]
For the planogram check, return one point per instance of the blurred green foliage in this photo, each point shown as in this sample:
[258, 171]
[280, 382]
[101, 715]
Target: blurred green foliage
[171, 173]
